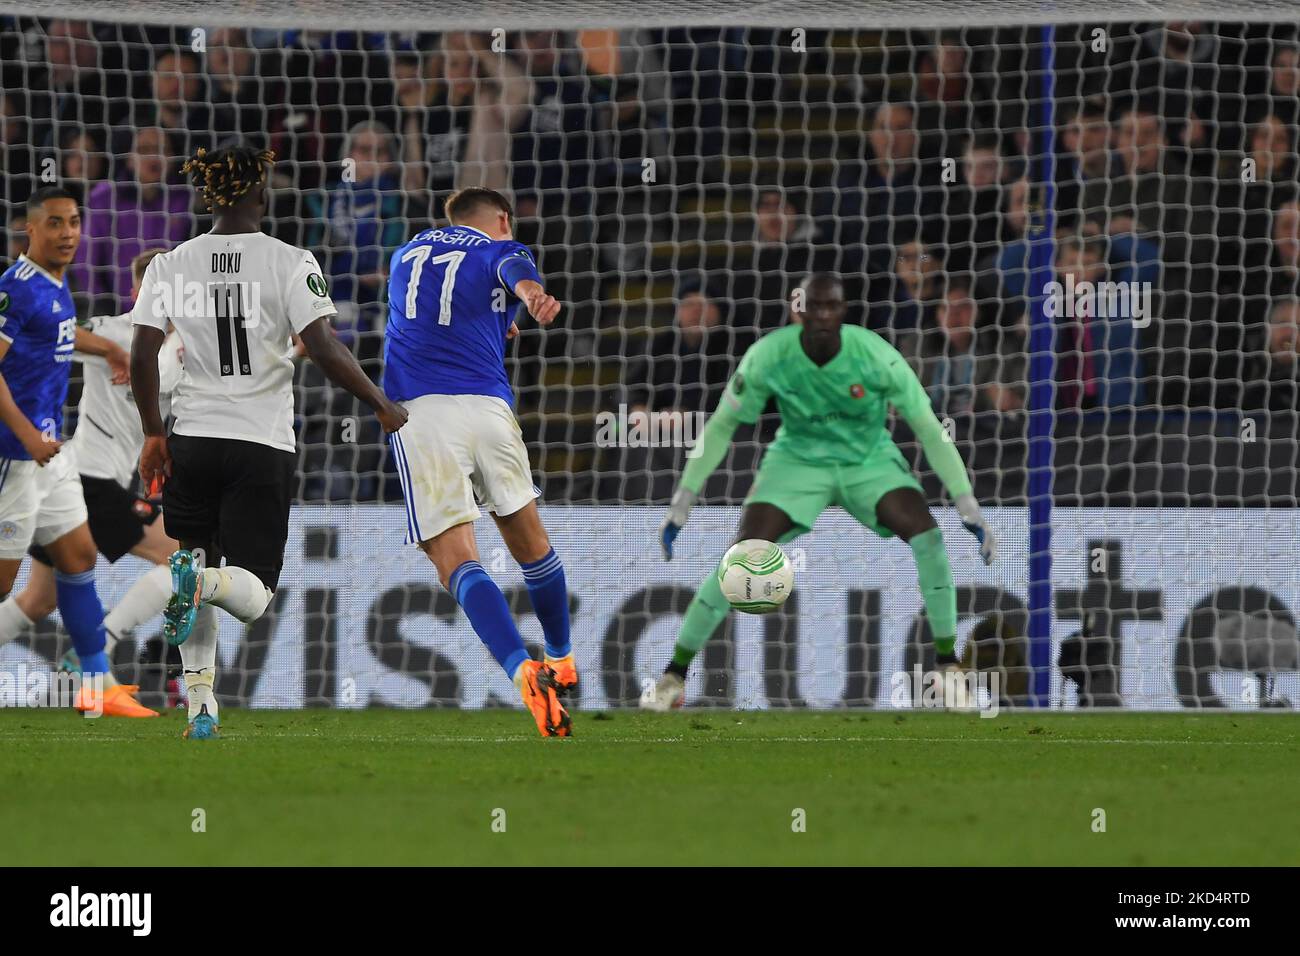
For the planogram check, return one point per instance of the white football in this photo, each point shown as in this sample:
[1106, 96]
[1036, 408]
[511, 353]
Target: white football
[756, 576]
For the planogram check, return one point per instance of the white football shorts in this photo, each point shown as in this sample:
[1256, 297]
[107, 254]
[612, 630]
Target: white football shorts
[455, 453]
[38, 505]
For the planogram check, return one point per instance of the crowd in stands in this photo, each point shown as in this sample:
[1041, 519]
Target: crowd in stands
[677, 184]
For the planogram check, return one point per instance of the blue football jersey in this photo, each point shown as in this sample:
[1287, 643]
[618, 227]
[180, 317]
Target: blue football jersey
[39, 321]
[450, 304]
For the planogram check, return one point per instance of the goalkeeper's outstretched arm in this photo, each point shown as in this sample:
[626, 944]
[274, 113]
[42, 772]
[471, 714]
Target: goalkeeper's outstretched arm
[715, 439]
[914, 405]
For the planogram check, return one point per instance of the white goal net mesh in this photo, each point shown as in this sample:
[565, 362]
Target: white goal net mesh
[678, 169]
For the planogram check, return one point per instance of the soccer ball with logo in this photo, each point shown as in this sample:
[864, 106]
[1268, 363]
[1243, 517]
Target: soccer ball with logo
[756, 576]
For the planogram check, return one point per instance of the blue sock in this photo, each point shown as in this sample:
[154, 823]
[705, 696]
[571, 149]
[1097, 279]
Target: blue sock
[83, 616]
[486, 608]
[550, 597]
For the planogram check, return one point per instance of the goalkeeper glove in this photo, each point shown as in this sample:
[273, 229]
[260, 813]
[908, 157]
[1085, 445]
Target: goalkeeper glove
[678, 512]
[974, 522]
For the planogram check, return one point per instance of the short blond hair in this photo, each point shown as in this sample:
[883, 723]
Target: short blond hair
[141, 262]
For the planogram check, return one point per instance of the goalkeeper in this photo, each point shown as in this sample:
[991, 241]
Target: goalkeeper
[832, 385]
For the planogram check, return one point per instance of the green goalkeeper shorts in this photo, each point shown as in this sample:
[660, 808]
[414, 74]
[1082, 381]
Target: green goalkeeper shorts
[803, 491]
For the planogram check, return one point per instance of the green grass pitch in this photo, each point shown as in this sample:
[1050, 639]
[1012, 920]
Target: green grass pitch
[698, 787]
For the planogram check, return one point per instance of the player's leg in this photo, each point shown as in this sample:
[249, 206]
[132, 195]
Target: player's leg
[199, 651]
[232, 496]
[885, 496]
[435, 457]
[904, 512]
[548, 590]
[503, 481]
[20, 501]
[74, 554]
[709, 608]
[20, 612]
[118, 530]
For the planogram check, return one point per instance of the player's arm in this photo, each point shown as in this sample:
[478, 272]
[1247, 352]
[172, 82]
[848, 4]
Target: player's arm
[155, 459]
[909, 397]
[310, 310]
[341, 368]
[88, 343]
[517, 273]
[743, 401]
[31, 437]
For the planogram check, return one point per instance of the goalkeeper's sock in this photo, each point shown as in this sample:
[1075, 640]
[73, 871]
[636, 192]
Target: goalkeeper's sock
[13, 622]
[934, 576]
[707, 610]
[146, 599]
[83, 616]
[199, 658]
[235, 591]
[550, 596]
[488, 613]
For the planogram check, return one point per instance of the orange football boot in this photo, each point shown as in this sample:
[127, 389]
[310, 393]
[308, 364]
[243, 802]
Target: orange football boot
[538, 690]
[115, 702]
[566, 674]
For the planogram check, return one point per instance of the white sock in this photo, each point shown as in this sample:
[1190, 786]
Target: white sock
[199, 658]
[237, 591]
[13, 622]
[146, 599]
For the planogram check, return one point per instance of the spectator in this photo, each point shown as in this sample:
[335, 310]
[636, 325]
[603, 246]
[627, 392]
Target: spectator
[245, 102]
[1171, 68]
[124, 217]
[782, 251]
[358, 224]
[965, 366]
[552, 148]
[913, 288]
[886, 189]
[82, 163]
[684, 371]
[179, 107]
[69, 93]
[16, 238]
[972, 218]
[1283, 97]
[455, 109]
[1245, 234]
[950, 102]
[630, 134]
[501, 97]
[1284, 318]
[1085, 144]
[17, 159]
[1098, 363]
[1152, 198]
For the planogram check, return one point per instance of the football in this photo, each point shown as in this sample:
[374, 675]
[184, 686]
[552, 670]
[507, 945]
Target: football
[756, 576]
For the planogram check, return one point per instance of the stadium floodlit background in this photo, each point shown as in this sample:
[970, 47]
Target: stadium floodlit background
[676, 184]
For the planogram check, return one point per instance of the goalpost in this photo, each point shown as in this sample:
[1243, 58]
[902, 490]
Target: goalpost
[679, 166]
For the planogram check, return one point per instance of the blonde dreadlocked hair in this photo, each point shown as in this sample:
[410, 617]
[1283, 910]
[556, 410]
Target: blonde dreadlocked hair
[224, 175]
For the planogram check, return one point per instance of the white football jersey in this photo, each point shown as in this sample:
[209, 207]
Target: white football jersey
[235, 301]
[108, 439]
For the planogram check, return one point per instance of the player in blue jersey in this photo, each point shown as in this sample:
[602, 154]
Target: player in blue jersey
[453, 296]
[41, 499]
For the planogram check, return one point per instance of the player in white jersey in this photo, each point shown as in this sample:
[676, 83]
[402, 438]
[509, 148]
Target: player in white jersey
[105, 451]
[236, 297]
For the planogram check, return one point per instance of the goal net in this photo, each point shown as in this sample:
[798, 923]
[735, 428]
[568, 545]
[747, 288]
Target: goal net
[1083, 236]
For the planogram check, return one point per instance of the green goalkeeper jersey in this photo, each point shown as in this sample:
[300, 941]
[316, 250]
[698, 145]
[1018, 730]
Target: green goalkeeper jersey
[834, 414]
